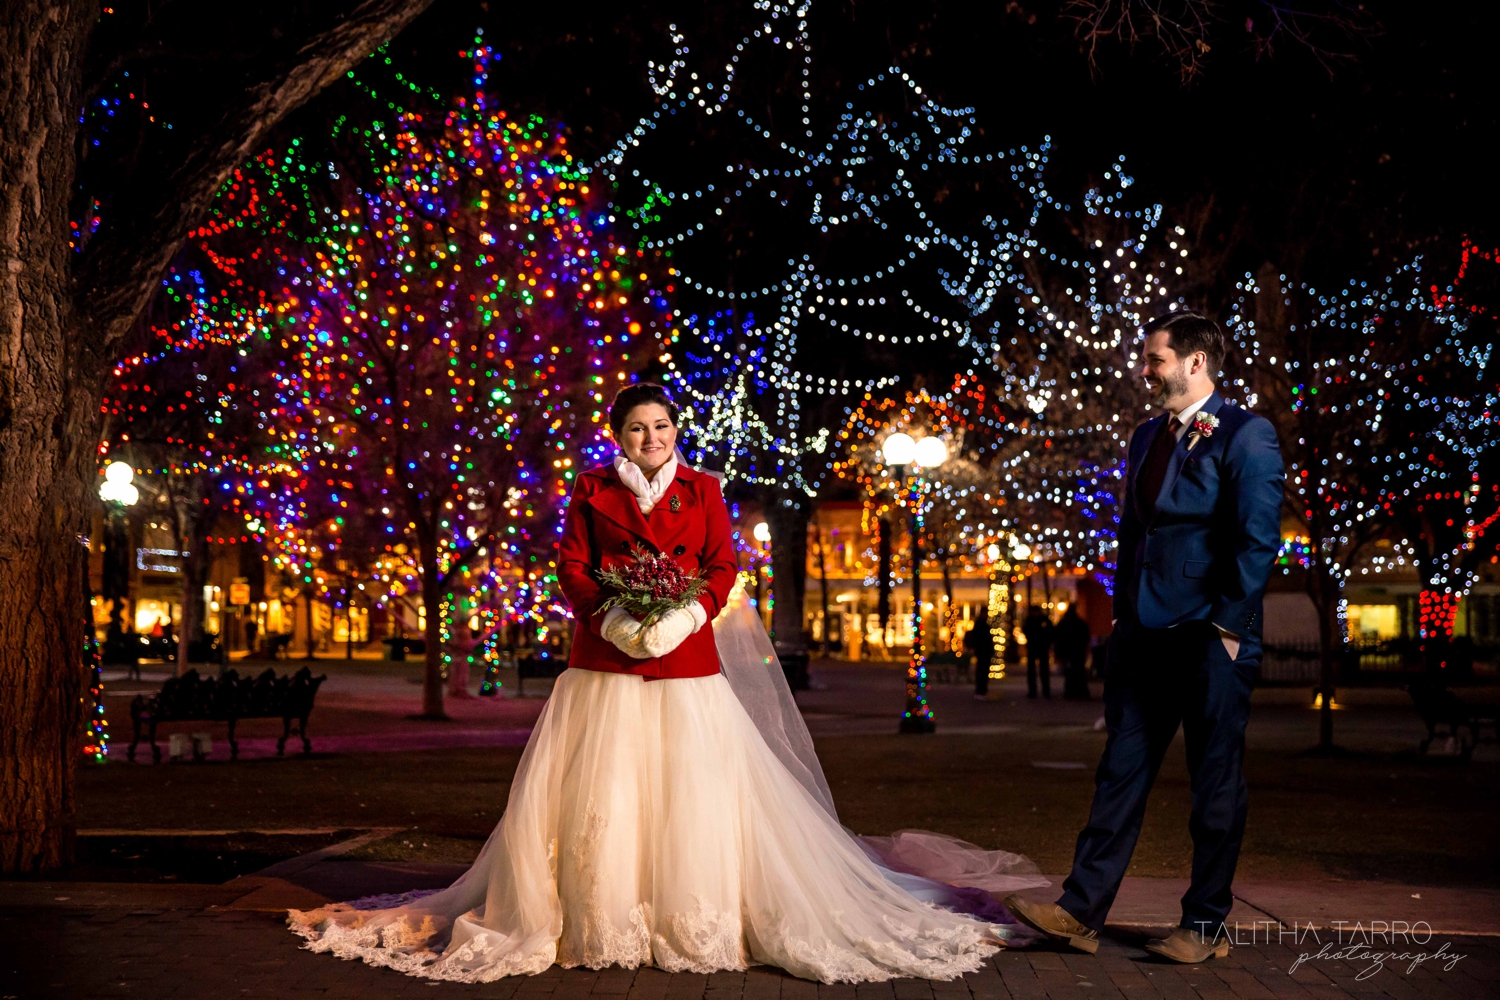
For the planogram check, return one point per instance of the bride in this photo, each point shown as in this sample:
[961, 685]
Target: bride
[668, 812]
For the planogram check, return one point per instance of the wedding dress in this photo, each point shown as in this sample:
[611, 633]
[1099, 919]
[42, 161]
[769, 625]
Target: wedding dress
[686, 824]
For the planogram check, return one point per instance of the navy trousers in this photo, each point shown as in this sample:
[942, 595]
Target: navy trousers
[1160, 679]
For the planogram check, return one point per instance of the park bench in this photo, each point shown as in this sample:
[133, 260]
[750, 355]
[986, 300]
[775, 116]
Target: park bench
[540, 664]
[947, 667]
[1441, 708]
[230, 698]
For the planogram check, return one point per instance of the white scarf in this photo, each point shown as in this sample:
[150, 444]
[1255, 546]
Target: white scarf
[648, 493]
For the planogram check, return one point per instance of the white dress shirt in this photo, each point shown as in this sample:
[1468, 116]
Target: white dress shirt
[1186, 414]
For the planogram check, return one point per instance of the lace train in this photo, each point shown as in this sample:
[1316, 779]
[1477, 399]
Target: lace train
[649, 824]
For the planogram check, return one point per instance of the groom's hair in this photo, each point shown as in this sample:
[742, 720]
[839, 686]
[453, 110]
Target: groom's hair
[1190, 332]
[635, 395]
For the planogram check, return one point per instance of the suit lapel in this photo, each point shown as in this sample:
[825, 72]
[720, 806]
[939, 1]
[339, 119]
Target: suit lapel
[1137, 460]
[1180, 454]
[615, 501]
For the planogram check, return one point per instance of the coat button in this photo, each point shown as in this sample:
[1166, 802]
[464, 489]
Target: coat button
[681, 549]
[624, 546]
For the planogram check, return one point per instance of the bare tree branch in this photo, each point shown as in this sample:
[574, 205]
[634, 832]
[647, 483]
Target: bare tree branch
[120, 266]
[1185, 29]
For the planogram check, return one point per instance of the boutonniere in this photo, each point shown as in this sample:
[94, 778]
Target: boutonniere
[1203, 427]
[675, 504]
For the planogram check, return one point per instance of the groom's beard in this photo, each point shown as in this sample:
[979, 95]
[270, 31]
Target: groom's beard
[1172, 386]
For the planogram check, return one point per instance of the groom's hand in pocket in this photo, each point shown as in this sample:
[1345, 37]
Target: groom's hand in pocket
[1231, 643]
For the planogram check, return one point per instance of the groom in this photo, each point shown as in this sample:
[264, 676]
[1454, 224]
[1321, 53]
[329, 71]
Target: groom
[1199, 529]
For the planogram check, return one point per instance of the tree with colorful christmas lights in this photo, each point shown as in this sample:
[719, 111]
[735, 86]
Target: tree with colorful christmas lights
[445, 339]
[182, 413]
[950, 508]
[960, 501]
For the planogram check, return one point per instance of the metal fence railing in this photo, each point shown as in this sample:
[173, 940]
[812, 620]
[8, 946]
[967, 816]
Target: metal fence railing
[1369, 661]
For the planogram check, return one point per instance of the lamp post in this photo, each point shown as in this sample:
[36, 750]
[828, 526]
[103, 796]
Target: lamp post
[898, 451]
[118, 492]
[117, 484]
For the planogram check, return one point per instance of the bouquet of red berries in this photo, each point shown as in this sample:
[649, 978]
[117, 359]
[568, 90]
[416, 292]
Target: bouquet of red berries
[650, 586]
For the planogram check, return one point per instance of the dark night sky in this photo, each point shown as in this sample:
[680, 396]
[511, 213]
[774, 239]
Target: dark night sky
[1329, 177]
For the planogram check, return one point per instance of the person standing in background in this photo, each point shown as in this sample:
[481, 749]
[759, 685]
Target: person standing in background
[1037, 628]
[1072, 644]
[979, 642]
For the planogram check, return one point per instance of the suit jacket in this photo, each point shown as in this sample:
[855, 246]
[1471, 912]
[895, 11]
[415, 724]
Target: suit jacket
[604, 526]
[1207, 552]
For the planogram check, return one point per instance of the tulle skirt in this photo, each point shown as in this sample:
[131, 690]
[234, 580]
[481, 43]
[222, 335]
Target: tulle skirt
[650, 824]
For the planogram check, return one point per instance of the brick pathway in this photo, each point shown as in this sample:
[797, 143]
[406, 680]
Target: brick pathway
[79, 952]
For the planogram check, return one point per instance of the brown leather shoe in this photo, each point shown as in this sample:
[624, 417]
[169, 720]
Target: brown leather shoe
[1053, 921]
[1188, 947]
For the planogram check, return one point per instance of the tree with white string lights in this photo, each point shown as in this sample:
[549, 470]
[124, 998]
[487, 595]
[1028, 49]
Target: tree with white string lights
[814, 263]
[1347, 379]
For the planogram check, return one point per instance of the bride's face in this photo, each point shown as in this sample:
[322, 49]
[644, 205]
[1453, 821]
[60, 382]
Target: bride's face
[648, 437]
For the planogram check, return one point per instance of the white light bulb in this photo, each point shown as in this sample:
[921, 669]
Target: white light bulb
[898, 449]
[119, 492]
[119, 472]
[931, 452]
[762, 532]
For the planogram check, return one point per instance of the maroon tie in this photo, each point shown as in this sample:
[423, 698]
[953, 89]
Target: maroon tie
[1154, 469]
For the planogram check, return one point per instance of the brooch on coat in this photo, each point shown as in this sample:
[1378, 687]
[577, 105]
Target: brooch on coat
[1203, 427]
[674, 503]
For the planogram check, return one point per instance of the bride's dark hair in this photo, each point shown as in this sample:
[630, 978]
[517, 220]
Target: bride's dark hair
[639, 394]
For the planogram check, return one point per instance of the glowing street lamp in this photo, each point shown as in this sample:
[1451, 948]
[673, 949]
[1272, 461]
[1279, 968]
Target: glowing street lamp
[898, 451]
[931, 452]
[117, 486]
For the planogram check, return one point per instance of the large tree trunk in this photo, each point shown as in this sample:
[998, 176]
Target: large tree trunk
[48, 432]
[1330, 648]
[883, 571]
[787, 516]
[194, 578]
[943, 564]
[432, 635]
[823, 586]
[191, 537]
[62, 318]
[1325, 590]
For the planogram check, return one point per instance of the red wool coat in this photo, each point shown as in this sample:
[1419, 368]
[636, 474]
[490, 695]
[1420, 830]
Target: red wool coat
[604, 526]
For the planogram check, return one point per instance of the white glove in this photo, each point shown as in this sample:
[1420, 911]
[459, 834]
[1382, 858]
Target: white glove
[671, 629]
[625, 632]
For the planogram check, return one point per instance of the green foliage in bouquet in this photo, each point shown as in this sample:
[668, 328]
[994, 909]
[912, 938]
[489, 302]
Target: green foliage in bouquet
[650, 586]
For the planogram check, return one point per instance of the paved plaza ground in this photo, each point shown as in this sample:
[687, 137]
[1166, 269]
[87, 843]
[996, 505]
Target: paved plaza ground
[175, 897]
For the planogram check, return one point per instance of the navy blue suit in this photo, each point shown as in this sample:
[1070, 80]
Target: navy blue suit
[1200, 559]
